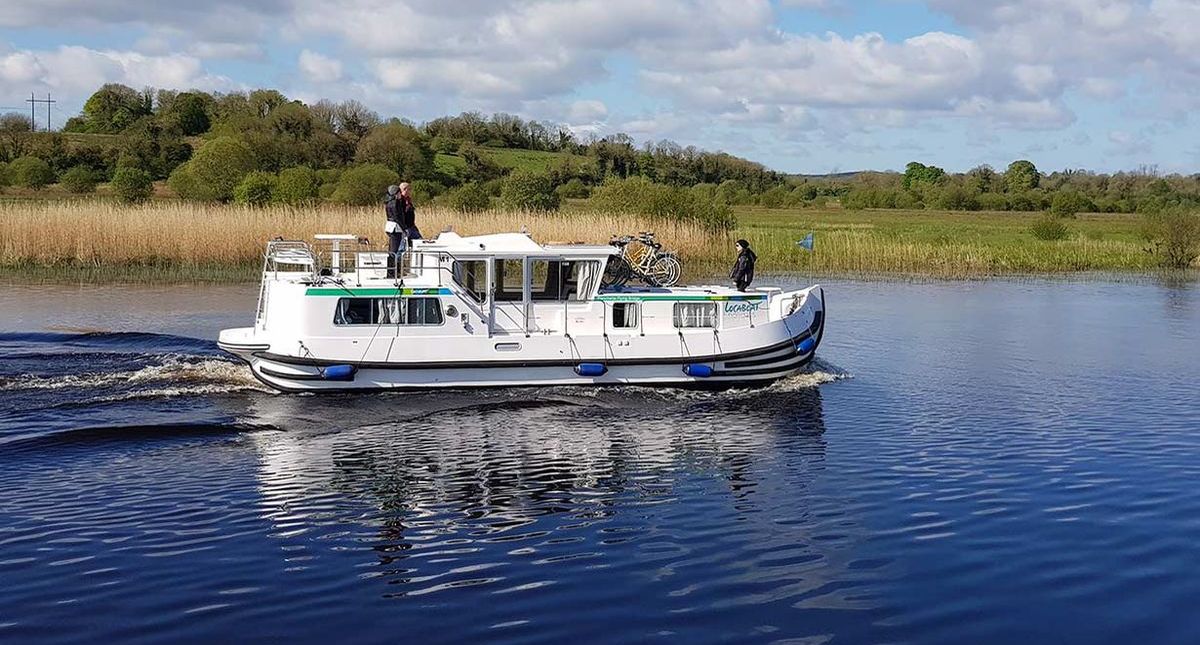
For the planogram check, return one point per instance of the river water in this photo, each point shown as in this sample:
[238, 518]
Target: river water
[968, 462]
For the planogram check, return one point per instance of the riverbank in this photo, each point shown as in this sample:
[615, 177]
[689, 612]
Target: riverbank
[171, 241]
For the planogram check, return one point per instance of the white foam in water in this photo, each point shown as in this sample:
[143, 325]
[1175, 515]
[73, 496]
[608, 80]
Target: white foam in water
[209, 376]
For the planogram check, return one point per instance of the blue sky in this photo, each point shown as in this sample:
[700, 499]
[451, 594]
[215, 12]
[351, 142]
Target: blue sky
[808, 86]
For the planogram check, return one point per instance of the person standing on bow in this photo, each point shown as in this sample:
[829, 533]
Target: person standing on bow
[743, 269]
[393, 207]
[408, 214]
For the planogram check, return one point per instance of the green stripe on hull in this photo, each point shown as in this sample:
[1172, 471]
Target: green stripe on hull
[326, 291]
[632, 297]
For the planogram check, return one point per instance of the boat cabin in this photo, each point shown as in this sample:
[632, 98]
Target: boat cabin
[501, 284]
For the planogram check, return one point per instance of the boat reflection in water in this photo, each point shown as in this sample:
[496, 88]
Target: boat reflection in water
[638, 491]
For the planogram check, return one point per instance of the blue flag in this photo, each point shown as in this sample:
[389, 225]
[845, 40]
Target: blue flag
[806, 243]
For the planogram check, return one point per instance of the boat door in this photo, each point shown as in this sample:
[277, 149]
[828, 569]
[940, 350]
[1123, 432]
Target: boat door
[510, 296]
[562, 303]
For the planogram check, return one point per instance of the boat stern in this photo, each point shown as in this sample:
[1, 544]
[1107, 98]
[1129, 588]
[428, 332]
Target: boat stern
[241, 342]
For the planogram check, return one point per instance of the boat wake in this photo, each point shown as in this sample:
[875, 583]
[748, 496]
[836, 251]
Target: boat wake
[175, 375]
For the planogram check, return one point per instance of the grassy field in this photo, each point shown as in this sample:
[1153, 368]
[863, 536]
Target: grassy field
[949, 244]
[532, 160]
[172, 241]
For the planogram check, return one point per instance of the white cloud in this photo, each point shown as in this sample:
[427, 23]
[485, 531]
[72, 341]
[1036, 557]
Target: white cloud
[79, 70]
[318, 68]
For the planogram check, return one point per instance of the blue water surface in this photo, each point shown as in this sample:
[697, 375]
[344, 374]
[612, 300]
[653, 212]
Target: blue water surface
[985, 462]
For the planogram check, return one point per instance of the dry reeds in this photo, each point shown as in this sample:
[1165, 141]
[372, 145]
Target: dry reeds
[179, 233]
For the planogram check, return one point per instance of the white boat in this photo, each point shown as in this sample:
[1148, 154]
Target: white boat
[502, 310]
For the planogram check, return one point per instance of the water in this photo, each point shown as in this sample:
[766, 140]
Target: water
[969, 462]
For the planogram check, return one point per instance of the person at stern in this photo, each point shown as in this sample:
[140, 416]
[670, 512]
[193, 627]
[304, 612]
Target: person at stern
[743, 269]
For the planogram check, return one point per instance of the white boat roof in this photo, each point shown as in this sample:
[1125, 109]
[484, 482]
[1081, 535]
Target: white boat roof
[507, 244]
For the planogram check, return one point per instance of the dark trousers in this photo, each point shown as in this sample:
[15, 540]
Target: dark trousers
[742, 283]
[395, 249]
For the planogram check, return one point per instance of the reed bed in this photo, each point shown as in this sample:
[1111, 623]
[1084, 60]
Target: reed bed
[98, 234]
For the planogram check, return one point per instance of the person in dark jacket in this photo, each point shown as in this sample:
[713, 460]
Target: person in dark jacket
[393, 206]
[408, 214]
[743, 269]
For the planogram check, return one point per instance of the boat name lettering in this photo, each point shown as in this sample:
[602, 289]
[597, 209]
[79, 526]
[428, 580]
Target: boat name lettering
[741, 307]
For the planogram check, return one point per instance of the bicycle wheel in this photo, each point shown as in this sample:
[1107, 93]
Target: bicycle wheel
[664, 271]
[673, 269]
[616, 272]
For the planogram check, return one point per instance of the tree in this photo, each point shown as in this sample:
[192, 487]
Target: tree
[1021, 176]
[399, 147]
[132, 185]
[297, 186]
[263, 102]
[14, 134]
[219, 167]
[114, 107]
[31, 172]
[918, 174]
[526, 190]
[354, 120]
[187, 113]
[364, 185]
[981, 179]
[153, 148]
[255, 189]
[78, 180]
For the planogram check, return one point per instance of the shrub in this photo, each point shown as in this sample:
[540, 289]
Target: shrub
[776, 197]
[132, 185]
[296, 186]
[5, 179]
[255, 189]
[529, 191]
[399, 147]
[218, 167]
[1068, 203]
[640, 196]
[993, 202]
[78, 180]
[364, 185]
[183, 183]
[573, 189]
[468, 198]
[326, 191]
[31, 172]
[1023, 202]
[329, 175]
[425, 191]
[956, 198]
[1174, 234]
[1049, 228]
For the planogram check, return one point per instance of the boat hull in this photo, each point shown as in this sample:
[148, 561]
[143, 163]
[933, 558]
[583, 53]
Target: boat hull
[791, 351]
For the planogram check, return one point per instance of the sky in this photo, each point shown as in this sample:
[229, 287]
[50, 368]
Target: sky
[806, 86]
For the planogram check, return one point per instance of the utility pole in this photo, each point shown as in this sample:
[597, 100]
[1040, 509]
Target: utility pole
[33, 101]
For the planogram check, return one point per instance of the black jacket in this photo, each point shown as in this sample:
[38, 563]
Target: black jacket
[743, 269]
[401, 211]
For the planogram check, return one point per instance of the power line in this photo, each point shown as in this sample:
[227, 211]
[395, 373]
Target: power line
[33, 101]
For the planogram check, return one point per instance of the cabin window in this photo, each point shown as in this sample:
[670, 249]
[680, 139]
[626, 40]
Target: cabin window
[563, 280]
[510, 280]
[625, 315]
[471, 275]
[388, 311]
[695, 314]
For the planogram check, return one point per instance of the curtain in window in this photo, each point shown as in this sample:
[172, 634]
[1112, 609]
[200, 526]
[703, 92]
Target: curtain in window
[589, 272]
